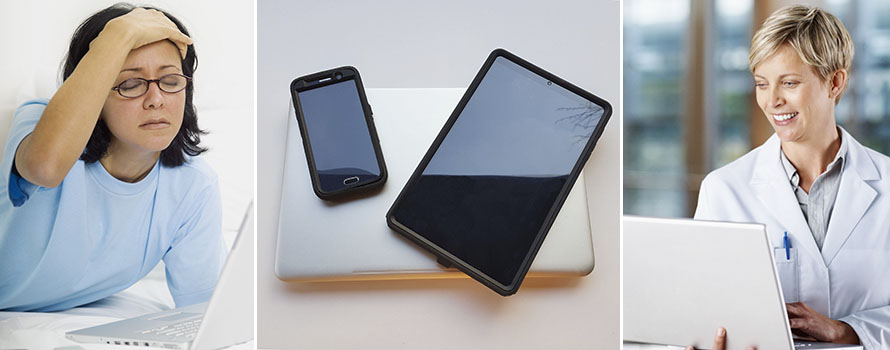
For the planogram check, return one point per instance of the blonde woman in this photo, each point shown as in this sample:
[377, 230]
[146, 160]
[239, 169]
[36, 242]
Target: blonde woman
[813, 182]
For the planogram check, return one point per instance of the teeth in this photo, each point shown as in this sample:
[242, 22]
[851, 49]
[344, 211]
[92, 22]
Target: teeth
[783, 117]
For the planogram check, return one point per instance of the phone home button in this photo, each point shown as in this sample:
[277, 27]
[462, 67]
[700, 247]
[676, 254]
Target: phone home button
[350, 180]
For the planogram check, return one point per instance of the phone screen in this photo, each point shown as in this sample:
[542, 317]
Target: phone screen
[339, 135]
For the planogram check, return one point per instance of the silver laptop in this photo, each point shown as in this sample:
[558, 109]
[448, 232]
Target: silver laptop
[225, 320]
[349, 240]
[683, 279]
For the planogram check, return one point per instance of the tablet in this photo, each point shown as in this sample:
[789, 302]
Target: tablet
[487, 191]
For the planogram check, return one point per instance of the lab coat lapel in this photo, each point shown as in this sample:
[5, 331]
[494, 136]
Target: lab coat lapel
[773, 189]
[854, 197]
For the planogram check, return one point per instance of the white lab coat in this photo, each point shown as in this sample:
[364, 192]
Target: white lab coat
[849, 279]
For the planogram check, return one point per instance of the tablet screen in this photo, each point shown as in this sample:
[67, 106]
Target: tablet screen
[486, 192]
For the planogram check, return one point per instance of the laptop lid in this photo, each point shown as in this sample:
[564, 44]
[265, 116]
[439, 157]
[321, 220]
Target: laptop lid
[349, 240]
[683, 279]
[229, 316]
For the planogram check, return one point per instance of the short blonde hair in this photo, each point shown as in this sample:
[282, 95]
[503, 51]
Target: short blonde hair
[819, 38]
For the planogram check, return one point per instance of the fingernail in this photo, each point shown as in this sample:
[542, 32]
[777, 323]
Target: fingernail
[721, 332]
[690, 348]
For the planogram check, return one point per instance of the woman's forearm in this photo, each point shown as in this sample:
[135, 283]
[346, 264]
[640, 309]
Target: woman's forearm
[46, 155]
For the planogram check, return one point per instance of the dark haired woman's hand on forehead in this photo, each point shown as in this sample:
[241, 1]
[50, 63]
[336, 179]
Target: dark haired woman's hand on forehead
[46, 155]
[144, 27]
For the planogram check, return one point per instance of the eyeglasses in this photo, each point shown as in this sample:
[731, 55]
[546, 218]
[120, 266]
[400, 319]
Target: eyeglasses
[136, 87]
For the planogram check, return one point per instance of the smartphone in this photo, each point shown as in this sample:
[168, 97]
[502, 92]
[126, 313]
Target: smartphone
[337, 127]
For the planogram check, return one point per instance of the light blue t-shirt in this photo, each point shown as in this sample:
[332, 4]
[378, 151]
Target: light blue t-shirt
[94, 235]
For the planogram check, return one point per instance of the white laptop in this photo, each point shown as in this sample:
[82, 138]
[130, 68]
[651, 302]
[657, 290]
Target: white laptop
[225, 320]
[349, 240]
[683, 279]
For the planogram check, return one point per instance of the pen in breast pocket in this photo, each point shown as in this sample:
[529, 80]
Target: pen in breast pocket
[787, 243]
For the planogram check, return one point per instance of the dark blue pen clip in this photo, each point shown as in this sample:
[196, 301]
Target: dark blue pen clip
[787, 243]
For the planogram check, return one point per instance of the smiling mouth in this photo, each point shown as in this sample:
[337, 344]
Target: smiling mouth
[784, 117]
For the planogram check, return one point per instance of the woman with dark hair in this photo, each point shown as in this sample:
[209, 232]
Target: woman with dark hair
[103, 181]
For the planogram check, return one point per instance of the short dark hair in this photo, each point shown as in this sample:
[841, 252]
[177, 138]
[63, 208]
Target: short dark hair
[187, 140]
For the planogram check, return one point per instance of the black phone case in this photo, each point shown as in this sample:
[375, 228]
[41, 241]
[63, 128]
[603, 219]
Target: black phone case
[446, 258]
[298, 84]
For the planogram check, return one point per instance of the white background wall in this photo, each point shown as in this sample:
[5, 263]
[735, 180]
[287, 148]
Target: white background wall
[34, 37]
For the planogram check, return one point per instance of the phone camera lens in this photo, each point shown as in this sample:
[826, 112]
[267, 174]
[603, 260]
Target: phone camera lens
[549, 83]
[338, 76]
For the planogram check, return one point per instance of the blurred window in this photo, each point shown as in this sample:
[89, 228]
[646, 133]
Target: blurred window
[865, 108]
[655, 33]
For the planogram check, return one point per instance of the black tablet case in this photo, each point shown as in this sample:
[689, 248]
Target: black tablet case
[450, 260]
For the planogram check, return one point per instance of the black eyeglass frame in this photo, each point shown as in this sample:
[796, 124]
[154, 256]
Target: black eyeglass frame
[148, 82]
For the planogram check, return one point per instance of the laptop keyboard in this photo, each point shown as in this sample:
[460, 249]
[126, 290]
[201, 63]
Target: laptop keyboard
[182, 329]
